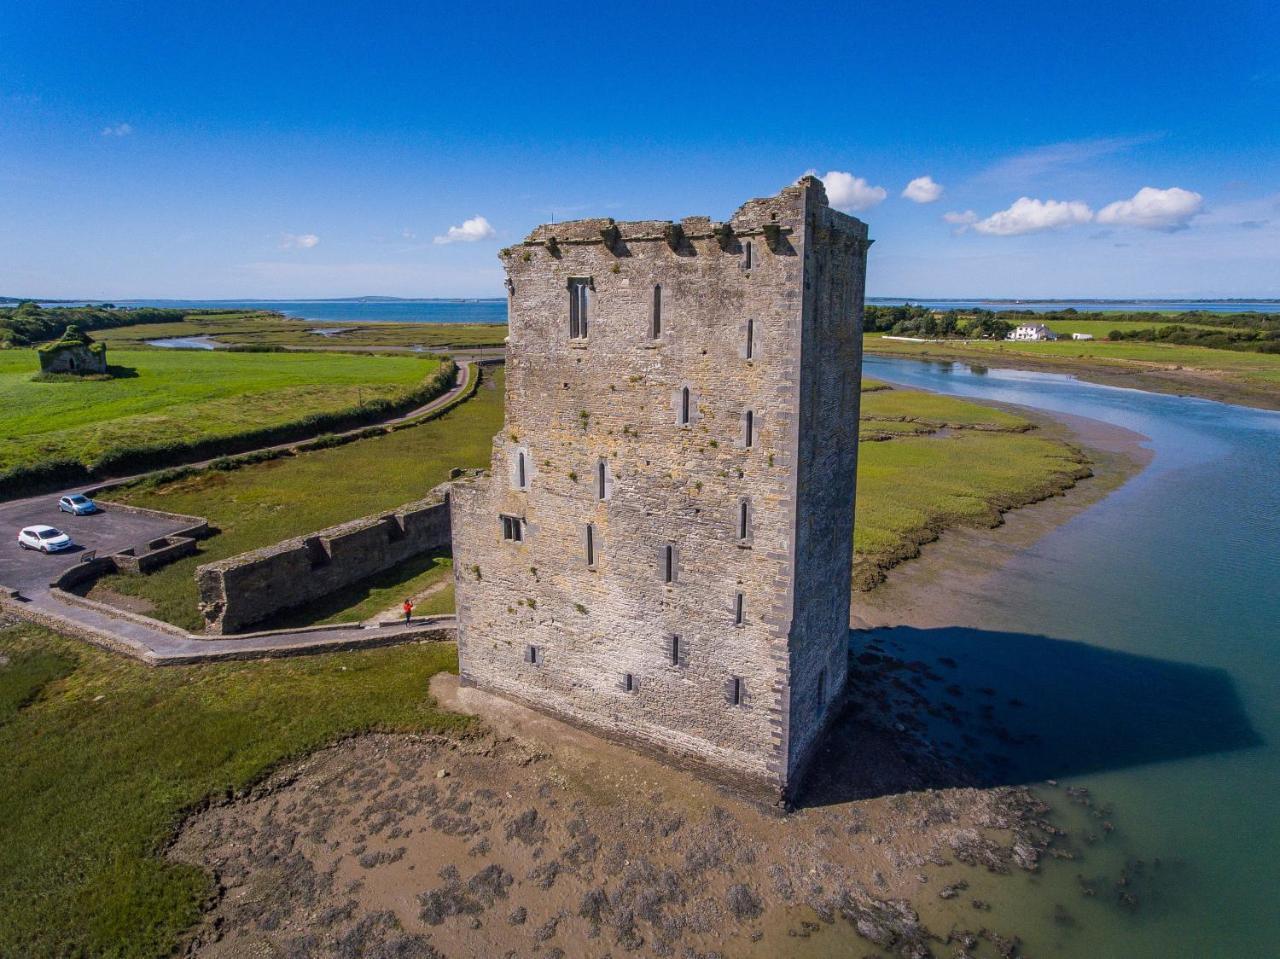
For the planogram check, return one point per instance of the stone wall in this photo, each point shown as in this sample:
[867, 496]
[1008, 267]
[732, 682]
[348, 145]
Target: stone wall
[243, 590]
[758, 318]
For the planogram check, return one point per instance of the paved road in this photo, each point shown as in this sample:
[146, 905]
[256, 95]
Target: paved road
[107, 532]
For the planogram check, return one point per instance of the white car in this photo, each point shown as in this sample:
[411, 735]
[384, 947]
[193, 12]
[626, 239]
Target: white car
[77, 504]
[44, 538]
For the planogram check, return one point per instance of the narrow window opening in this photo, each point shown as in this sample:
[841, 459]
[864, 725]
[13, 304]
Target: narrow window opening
[655, 327]
[533, 655]
[749, 429]
[522, 471]
[822, 688]
[578, 301]
[684, 406]
[744, 520]
[735, 691]
[601, 479]
[591, 544]
[668, 564]
[751, 339]
[746, 255]
[675, 650]
[739, 609]
[512, 529]
[629, 682]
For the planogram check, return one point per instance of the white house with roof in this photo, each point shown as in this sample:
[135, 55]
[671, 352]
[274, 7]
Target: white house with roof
[1032, 332]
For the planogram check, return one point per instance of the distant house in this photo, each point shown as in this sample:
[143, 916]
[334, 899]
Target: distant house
[75, 353]
[1032, 332]
[1082, 336]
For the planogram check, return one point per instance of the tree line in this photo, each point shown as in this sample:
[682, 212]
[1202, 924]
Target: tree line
[29, 323]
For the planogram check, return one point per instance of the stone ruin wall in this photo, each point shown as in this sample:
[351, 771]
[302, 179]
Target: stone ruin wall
[242, 590]
[614, 396]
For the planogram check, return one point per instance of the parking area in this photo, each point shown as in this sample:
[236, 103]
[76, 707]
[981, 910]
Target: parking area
[106, 532]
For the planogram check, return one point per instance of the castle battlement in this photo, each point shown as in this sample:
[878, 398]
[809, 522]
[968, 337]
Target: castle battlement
[662, 547]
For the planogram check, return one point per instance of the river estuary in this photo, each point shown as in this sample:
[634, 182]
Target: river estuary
[1143, 640]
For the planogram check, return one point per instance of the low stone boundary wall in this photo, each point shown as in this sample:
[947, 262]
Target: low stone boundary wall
[154, 554]
[246, 589]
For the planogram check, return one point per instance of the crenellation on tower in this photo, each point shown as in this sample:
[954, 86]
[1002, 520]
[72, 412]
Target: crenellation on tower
[675, 472]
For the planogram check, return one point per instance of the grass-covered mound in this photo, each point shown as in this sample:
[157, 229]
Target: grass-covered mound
[100, 756]
[181, 404]
[267, 502]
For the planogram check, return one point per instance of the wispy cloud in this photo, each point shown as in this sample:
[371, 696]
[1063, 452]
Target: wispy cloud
[298, 241]
[471, 231]
[1038, 162]
[117, 130]
[923, 189]
[1152, 209]
[852, 193]
[1027, 215]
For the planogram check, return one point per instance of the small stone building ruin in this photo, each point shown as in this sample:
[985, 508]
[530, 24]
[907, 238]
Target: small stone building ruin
[662, 548]
[75, 353]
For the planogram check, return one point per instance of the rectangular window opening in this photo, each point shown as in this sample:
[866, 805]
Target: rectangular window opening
[675, 650]
[668, 564]
[601, 475]
[685, 404]
[735, 691]
[739, 609]
[533, 655]
[655, 326]
[522, 471]
[751, 339]
[591, 544]
[629, 682]
[744, 520]
[749, 429]
[746, 255]
[513, 529]
[578, 300]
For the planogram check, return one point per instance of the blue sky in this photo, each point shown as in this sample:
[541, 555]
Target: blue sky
[315, 149]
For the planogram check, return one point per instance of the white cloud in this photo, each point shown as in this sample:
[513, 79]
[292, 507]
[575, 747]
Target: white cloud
[298, 241]
[477, 228]
[1054, 158]
[117, 130]
[1153, 209]
[923, 189]
[851, 193]
[1033, 216]
[956, 218]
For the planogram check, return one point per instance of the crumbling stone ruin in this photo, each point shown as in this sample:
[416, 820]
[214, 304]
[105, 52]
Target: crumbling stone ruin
[76, 352]
[662, 548]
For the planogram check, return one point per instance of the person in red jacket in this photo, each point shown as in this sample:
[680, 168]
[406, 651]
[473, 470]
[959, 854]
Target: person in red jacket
[408, 611]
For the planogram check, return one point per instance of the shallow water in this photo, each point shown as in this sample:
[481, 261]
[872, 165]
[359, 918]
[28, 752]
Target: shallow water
[1142, 635]
[185, 343]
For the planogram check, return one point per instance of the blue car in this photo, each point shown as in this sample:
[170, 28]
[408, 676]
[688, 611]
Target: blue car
[77, 505]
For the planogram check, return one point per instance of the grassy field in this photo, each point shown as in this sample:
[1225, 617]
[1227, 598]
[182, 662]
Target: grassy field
[265, 503]
[270, 329]
[945, 462]
[949, 462]
[183, 395]
[99, 765]
[1256, 370]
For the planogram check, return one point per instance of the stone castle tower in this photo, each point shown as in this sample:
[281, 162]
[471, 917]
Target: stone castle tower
[662, 548]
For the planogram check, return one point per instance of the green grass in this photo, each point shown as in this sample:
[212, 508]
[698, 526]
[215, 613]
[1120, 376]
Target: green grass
[268, 329]
[883, 406]
[97, 771]
[378, 594]
[262, 504]
[183, 396]
[911, 488]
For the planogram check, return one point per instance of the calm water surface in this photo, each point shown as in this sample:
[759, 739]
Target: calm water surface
[1146, 634]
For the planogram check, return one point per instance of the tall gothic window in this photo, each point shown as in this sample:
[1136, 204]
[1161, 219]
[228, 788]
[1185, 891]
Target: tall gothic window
[578, 301]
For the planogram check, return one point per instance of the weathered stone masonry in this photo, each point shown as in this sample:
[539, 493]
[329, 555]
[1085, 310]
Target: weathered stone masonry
[662, 548]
